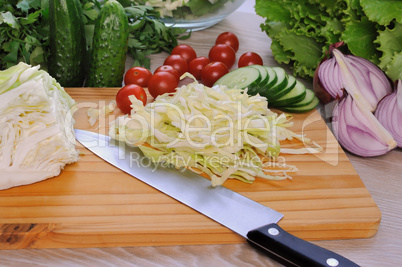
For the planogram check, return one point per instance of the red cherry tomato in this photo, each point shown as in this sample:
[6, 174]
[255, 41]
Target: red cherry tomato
[249, 58]
[212, 72]
[222, 53]
[185, 51]
[177, 62]
[170, 69]
[162, 82]
[196, 65]
[122, 100]
[137, 75]
[229, 39]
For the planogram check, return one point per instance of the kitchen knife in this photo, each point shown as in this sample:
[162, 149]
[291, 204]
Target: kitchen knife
[254, 221]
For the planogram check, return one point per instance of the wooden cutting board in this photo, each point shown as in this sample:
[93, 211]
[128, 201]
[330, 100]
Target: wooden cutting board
[93, 204]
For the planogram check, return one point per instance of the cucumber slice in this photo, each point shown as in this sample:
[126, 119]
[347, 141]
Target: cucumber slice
[256, 88]
[306, 101]
[282, 81]
[280, 84]
[301, 109]
[272, 77]
[290, 85]
[263, 73]
[297, 94]
[240, 78]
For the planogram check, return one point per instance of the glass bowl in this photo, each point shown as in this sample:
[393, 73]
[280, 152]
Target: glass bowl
[194, 14]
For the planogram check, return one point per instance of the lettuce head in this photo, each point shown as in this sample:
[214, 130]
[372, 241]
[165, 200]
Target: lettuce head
[302, 31]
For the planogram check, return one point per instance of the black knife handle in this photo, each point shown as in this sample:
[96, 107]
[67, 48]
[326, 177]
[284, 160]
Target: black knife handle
[293, 251]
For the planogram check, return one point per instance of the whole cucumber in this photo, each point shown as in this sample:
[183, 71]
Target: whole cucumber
[67, 42]
[109, 47]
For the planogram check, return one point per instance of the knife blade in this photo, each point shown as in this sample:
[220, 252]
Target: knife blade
[252, 220]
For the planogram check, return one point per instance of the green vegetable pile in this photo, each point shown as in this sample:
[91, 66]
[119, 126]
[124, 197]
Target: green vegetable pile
[149, 35]
[302, 31]
[24, 31]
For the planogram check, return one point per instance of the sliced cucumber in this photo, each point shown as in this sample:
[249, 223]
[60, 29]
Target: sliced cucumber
[263, 73]
[256, 88]
[306, 100]
[290, 85]
[282, 81]
[241, 78]
[272, 77]
[280, 84]
[301, 109]
[297, 94]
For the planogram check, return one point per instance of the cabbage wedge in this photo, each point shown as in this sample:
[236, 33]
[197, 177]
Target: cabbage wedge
[37, 137]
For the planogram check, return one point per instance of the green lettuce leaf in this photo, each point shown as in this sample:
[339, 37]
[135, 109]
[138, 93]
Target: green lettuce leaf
[390, 41]
[302, 31]
[359, 36]
[382, 11]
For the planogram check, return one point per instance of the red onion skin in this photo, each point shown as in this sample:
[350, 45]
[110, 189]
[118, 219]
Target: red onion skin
[319, 90]
[389, 113]
[358, 131]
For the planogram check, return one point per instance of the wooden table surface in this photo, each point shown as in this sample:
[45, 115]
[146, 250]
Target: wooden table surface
[381, 175]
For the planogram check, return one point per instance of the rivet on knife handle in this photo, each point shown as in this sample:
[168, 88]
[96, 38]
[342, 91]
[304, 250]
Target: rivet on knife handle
[293, 251]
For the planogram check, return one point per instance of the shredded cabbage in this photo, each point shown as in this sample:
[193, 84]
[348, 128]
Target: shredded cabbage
[94, 113]
[37, 137]
[222, 132]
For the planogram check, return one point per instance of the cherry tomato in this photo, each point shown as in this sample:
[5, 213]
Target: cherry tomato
[249, 58]
[212, 72]
[177, 62]
[170, 69]
[228, 38]
[162, 82]
[196, 65]
[122, 100]
[222, 53]
[185, 51]
[137, 75]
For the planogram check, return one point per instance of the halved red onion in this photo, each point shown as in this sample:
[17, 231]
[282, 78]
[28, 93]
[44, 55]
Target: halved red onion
[363, 80]
[355, 75]
[330, 78]
[389, 113]
[358, 131]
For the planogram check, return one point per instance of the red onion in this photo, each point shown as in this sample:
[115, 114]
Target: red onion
[358, 131]
[330, 78]
[355, 75]
[389, 113]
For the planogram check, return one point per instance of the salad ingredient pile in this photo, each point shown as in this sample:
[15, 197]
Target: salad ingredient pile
[37, 137]
[221, 132]
[26, 36]
[282, 91]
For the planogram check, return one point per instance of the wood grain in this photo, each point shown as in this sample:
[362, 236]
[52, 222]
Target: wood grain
[381, 176]
[93, 204]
